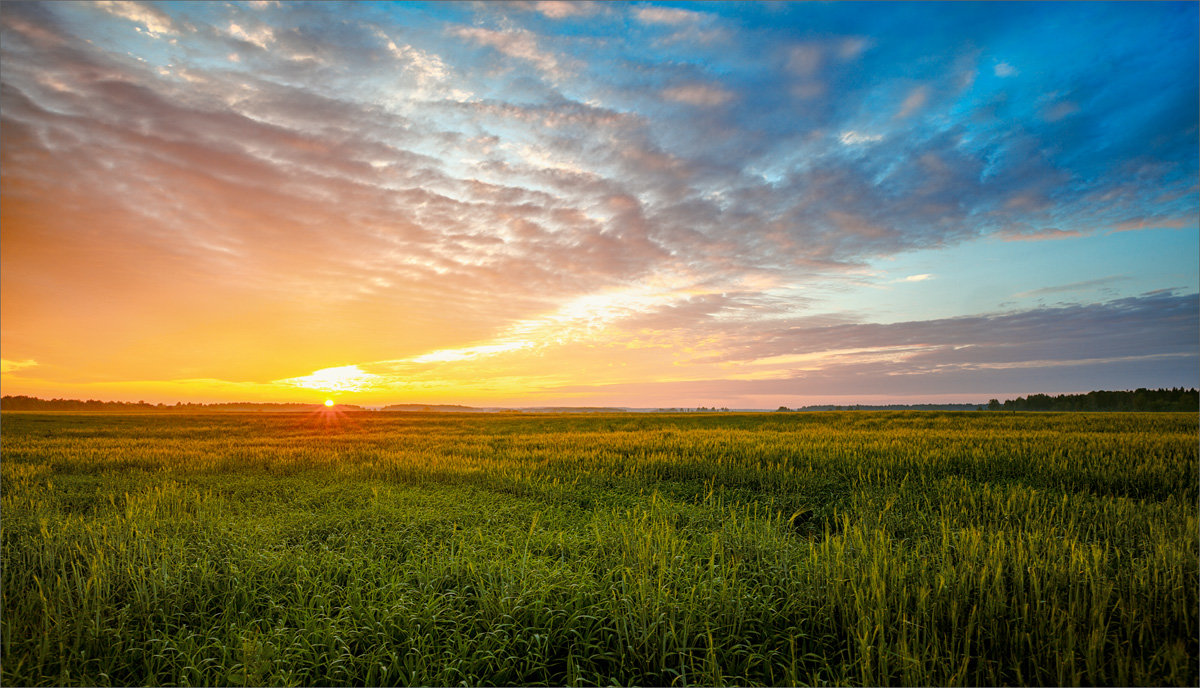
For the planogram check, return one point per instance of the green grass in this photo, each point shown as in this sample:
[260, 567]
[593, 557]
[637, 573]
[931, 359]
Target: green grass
[915, 548]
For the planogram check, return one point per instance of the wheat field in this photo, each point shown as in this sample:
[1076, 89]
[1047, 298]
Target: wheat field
[852, 548]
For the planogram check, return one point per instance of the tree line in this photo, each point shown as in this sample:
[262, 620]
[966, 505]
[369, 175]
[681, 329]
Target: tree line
[26, 403]
[1141, 399]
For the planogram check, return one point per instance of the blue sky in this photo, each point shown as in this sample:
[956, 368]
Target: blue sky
[612, 203]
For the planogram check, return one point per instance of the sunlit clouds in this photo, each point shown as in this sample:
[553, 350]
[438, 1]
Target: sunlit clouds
[633, 204]
[341, 379]
[7, 366]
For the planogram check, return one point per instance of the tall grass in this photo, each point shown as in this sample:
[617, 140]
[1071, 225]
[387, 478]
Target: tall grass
[772, 549]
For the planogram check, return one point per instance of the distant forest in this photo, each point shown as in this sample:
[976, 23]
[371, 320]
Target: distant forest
[24, 403]
[1178, 399]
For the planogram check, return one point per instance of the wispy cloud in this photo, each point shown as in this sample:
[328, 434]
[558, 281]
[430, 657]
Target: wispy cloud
[519, 44]
[7, 366]
[150, 19]
[469, 352]
[349, 378]
[914, 101]
[260, 36]
[674, 16]
[1073, 286]
[563, 9]
[1156, 223]
[700, 95]
[1047, 234]
[854, 138]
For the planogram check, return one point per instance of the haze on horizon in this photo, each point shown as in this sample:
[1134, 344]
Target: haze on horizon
[600, 204]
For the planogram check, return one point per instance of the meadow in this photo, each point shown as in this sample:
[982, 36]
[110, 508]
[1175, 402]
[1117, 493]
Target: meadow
[852, 548]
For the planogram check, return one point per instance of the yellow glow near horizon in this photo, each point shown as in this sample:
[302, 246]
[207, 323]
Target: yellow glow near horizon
[329, 402]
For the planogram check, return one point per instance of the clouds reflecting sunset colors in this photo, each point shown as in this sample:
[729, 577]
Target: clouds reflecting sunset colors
[597, 203]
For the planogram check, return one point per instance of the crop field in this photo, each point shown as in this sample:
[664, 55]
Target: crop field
[853, 548]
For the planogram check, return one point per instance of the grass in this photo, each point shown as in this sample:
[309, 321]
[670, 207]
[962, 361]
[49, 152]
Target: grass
[915, 548]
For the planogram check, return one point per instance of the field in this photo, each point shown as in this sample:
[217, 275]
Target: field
[917, 548]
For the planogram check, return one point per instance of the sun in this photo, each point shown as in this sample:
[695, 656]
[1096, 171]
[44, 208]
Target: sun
[329, 402]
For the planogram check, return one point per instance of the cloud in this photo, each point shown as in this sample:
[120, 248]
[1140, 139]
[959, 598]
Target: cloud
[850, 48]
[687, 27]
[1060, 110]
[917, 278]
[1004, 70]
[700, 95]
[1051, 350]
[1047, 234]
[562, 9]
[1074, 286]
[520, 44]
[349, 378]
[854, 138]
[1105, 330]
[878, 383]
[715, 343]
[261, 36]
[300, 162]
[805, 59]
[1155, 223]
[915, 100]
[812, 57]
[153, 21]
[1046, 338]
[673, 16]
[434, 78]
[7, 366]
[469, 352]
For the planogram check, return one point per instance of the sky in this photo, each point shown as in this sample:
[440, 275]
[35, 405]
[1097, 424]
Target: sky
[641, 204]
